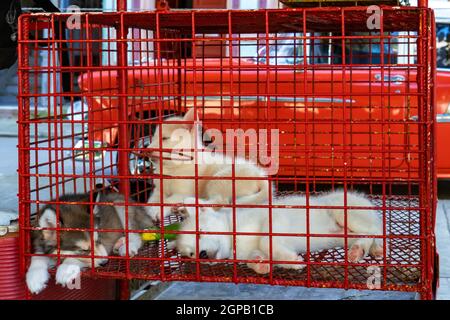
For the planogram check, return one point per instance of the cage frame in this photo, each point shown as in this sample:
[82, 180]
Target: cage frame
[427, 195]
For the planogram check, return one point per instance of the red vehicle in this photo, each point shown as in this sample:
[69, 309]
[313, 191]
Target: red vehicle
[294, 92]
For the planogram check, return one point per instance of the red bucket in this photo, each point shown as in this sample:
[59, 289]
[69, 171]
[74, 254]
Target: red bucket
[12, 286]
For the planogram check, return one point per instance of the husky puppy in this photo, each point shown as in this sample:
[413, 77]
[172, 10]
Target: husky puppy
[364, 222]
[113, 217]
[182, 139]
[75, 213]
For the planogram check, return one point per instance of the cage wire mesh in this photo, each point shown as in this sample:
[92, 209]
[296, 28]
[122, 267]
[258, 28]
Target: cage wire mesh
[353, 108]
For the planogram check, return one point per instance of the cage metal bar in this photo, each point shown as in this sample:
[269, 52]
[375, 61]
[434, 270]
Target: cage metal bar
[122, 165]
[332, 143]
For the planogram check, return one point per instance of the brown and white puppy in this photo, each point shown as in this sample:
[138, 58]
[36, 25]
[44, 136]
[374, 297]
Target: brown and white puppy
[112, 216]
[75, 213]
[182, 138]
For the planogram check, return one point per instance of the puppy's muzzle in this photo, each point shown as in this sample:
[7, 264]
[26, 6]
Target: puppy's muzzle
[207, 255]
[202, 255]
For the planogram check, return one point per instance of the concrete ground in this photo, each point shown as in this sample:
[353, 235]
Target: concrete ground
[186, 291]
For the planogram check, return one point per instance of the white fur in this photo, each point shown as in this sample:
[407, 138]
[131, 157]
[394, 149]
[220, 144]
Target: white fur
[182, 138]
[99, 251]
[284, 220]
[37, 275]
[68, 271]
[96, 209]
[48, 218]
[135, 243]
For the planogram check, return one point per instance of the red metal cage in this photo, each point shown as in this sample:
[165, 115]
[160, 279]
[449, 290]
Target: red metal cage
[352, 106]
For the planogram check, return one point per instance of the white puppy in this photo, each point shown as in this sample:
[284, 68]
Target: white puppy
[179, 159]
[323, 222]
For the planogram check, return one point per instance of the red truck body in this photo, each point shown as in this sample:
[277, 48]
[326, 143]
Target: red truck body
[304, 95]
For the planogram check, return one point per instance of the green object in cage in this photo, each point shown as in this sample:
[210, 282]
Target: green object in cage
[154, 236]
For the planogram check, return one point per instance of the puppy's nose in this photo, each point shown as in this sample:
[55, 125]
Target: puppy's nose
[203, 254]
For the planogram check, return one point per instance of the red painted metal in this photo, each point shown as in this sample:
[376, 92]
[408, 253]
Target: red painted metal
[348, 118]
[121, 5]
[91, 289]
[12, 286]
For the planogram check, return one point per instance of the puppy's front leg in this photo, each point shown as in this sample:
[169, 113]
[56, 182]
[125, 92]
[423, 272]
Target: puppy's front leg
[69, 271]
[261, 267]
[37, 274]
[154, 212]
[134, 244]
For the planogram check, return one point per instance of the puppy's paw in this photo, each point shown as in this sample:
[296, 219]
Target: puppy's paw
[133, 249]
[37, 279]
[119, 243]
[260, 267]
[356, 253]
[293, 266]
[67, 273]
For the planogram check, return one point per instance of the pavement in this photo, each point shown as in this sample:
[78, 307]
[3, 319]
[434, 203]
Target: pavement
[8, 167]
[190, 290]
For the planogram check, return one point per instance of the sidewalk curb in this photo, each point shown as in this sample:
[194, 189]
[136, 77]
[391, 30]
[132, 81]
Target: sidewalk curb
[9, 114]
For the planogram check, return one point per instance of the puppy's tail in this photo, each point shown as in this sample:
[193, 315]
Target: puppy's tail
[262, 196]
[361, 221]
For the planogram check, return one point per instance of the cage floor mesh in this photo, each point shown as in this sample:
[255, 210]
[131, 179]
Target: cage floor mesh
[400, 270]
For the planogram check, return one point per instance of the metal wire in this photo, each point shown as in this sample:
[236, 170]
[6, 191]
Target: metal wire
[352, 108]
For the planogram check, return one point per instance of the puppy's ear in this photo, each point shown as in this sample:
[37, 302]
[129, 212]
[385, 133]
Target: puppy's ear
[48, 220]
[98, 198]
[191, 115]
